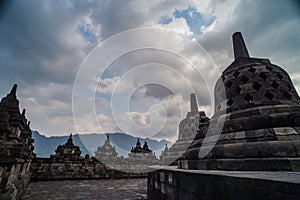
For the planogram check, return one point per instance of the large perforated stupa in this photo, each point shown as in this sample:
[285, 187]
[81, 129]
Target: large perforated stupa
[261, 112]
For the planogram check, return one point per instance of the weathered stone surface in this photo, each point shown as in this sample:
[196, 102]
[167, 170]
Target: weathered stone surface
[16, 149]
[239, 46]
[261, 108]
[208, 184]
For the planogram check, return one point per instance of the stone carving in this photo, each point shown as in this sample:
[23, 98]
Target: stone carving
[261, 109]
[16, 149]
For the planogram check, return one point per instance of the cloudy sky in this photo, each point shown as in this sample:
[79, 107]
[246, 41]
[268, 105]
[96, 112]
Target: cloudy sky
[108, 66]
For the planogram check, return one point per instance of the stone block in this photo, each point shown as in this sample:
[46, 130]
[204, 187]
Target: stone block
[282, 149]
[234, 150]
[257, 149]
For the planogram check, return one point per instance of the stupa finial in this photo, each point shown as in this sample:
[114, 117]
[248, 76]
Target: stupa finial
[239, 46]
[194, 105]
[14, 90]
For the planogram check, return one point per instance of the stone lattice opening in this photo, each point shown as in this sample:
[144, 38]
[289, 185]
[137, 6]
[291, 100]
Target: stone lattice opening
[287, 95]
[263, 76]
[230, 102]
[248, 98]
[252, 70]
[238, 90]
[279, 76]
[228, 84]
[275, 85]
[236, 74]
[256, 86]
[244, 79]
[269, 68]
[269, 95]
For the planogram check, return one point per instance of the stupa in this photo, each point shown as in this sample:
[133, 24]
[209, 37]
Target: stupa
[107, 153]
[188, 128]
[261, 112]
[67, 152]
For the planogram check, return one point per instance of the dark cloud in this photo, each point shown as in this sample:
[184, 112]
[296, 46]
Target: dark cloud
[157, 91]
[36, 42]
[271, 30]
[145, 56]
[117, 16]
[42, 47]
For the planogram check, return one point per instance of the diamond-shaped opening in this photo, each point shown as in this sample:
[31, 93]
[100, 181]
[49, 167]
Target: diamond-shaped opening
[244, 79]
[269, 68]
[236, 74]
[279, 76]
[223, 78]
[287, 95]
[263, 76]
[275, 85]
[248, 98]
[230, 102]
[228, 84]
[252, 70]
[289, 86]
[256, 86]
[269, 95]
[238, 90]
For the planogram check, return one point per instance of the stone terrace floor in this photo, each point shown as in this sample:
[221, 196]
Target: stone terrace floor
[89, 189]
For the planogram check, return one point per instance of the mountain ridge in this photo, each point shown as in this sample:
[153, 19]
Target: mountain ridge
[88, 143]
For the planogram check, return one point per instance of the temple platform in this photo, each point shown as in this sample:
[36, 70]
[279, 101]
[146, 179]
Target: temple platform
[172, 183]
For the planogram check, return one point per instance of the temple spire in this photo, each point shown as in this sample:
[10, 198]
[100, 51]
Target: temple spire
[239, 46]
[23, 112]
[70, 140]
[13, 90]
[194, 105]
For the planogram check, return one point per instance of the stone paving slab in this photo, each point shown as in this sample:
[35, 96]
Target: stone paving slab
[131, 189]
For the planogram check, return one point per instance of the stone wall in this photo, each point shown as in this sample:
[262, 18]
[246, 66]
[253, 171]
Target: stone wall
[48, 169]
[67, 163]
[172, 183]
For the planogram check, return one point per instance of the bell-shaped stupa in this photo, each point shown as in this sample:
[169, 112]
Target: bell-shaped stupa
[260, 109]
